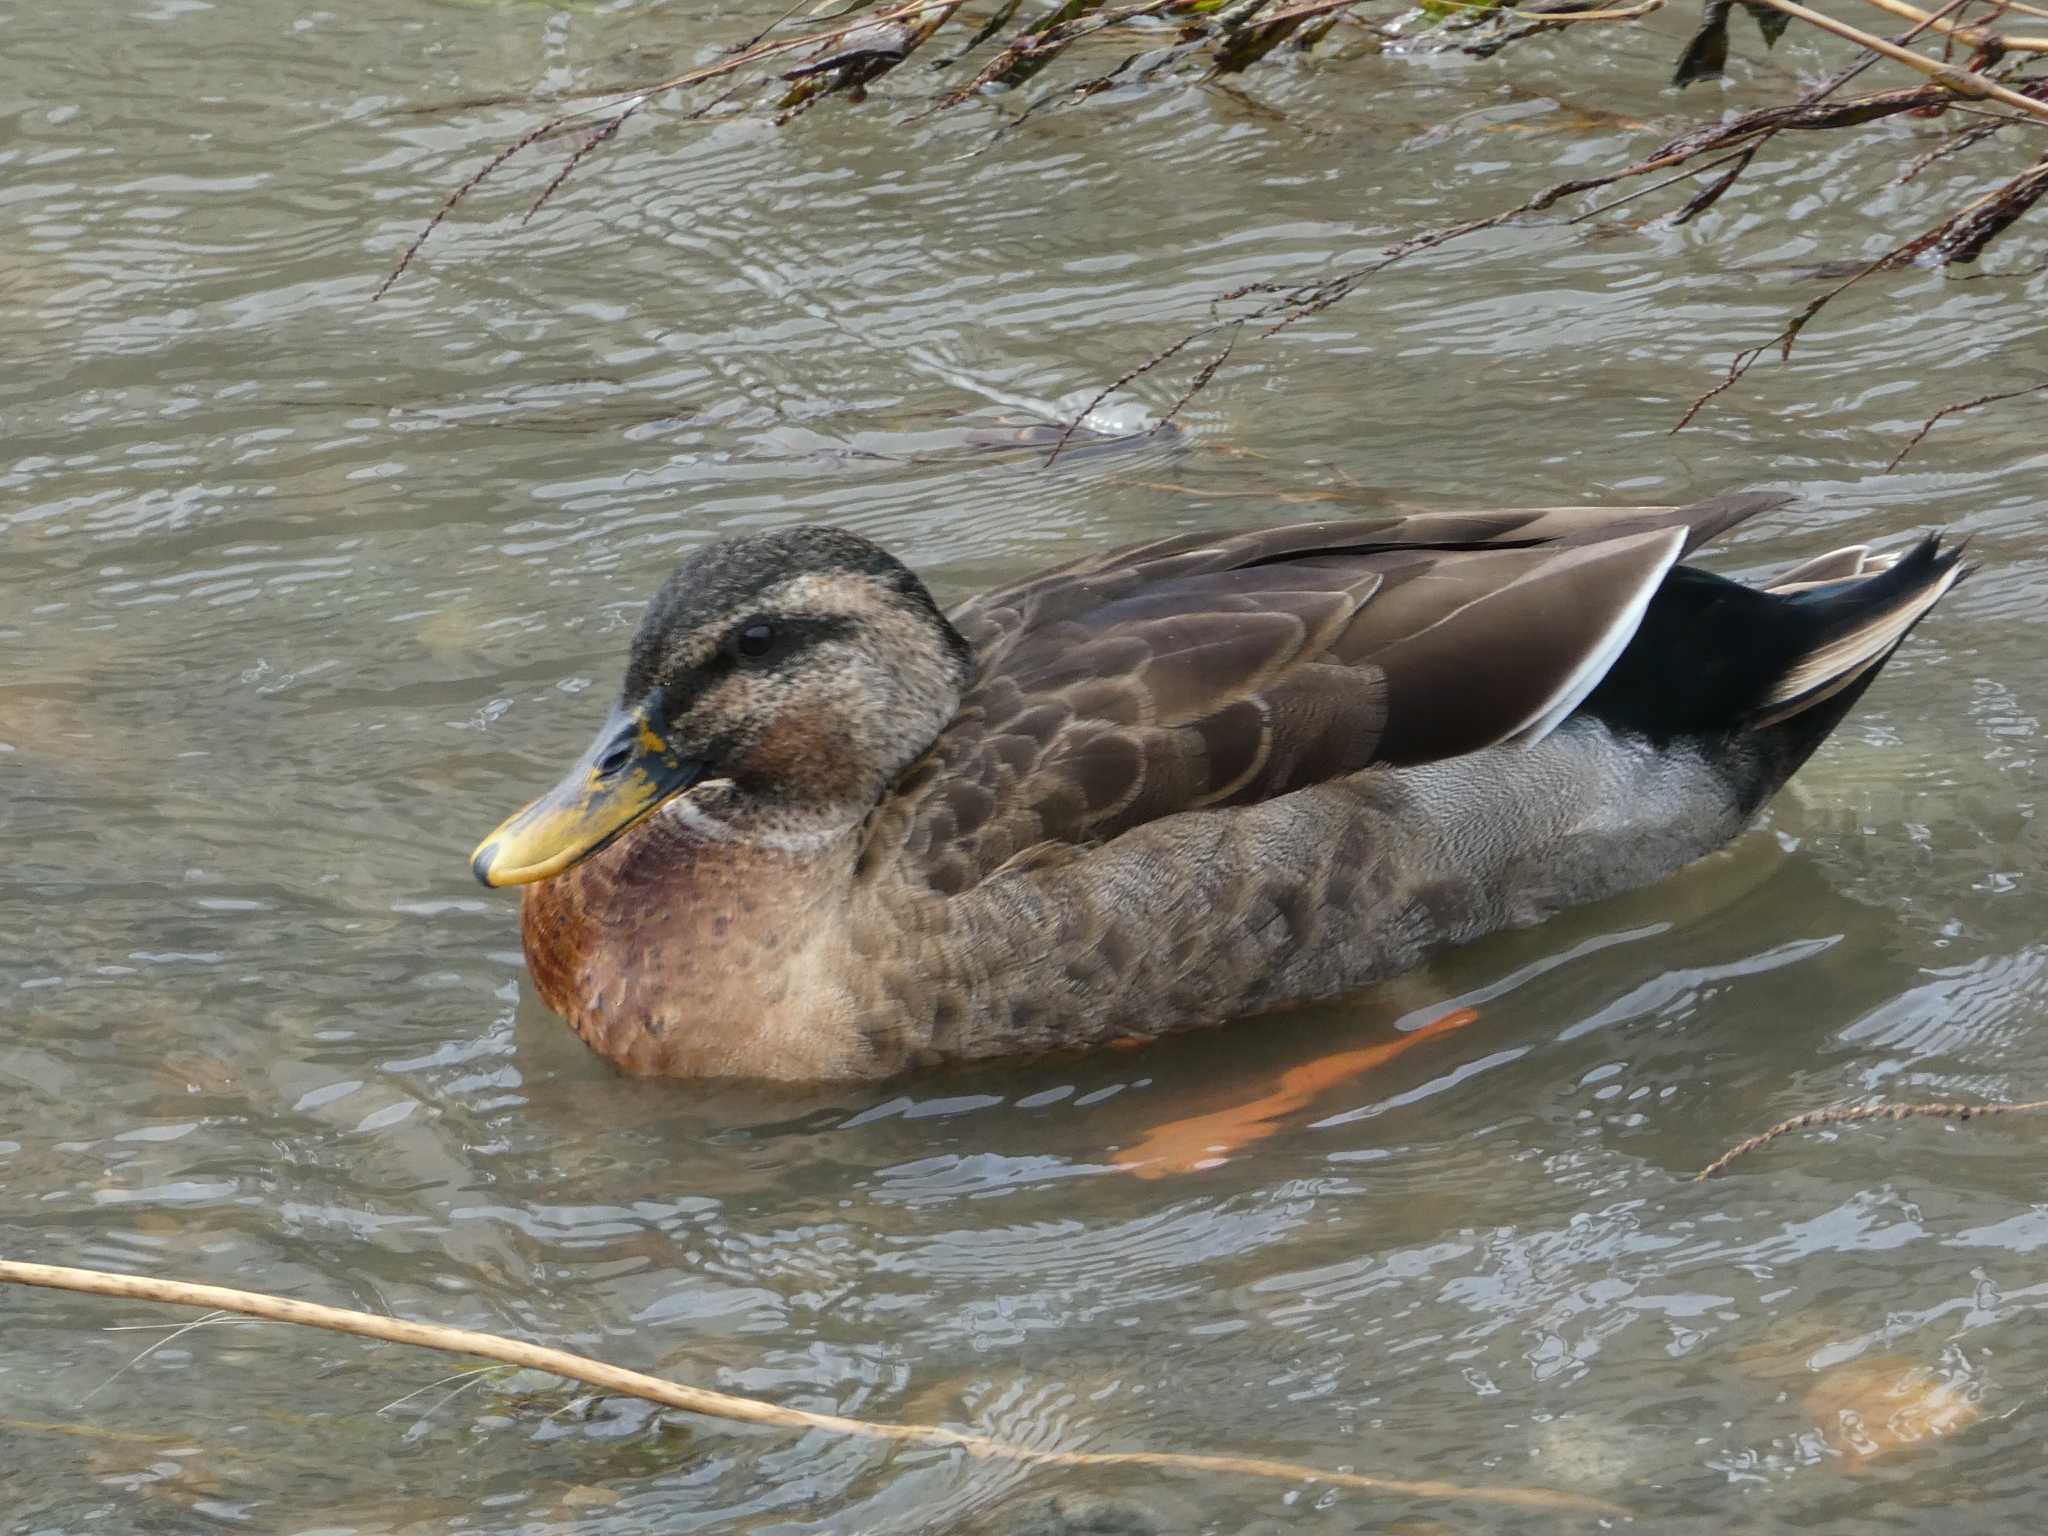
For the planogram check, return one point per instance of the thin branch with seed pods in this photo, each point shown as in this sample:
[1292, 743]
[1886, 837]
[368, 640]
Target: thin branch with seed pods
[1199, 41]
[1964, 232]
[620, 112]
[1859, 1114]
[1995, 398]
[1733, 146]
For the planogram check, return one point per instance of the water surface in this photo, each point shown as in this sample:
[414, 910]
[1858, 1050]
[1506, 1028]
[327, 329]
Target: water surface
[302, 594]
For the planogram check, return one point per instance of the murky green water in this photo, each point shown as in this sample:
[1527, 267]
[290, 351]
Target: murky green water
[301, 595]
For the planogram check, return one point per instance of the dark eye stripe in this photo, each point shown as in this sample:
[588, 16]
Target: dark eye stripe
[816, 627]
[795, 636]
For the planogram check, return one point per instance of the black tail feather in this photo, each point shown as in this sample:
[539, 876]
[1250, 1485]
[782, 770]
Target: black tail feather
[1716, 660]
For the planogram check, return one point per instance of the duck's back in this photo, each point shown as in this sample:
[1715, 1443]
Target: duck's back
[1210, 673]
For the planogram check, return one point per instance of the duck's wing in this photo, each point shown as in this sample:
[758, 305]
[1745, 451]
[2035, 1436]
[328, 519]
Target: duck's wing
[1200, 672]
[995, 621]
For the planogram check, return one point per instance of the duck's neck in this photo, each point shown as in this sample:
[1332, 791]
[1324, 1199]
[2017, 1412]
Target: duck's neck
[691, 948]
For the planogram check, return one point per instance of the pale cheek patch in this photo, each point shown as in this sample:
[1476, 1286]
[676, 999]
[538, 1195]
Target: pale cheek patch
[695, 813]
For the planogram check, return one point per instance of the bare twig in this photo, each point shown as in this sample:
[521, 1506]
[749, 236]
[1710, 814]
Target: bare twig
[1031, 51]
[747, 1410]
[1976, 133]
[622, 110]
[1741, 137]
[1078, 92]
[1196, 385]
[1782, 343]
[606, 130]
[448, 203]
[1961, 236]
[1957, 409]
[1139, 371]
[1858, 1113]
[1743, 155]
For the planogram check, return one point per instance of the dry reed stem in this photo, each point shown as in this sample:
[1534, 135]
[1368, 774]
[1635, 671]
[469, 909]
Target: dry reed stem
[1964, 82]
[1976, 37]
[1567, 18]
[746, 1410]
[1852, 1115]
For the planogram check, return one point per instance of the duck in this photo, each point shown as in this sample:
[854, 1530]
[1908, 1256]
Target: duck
[831, 831]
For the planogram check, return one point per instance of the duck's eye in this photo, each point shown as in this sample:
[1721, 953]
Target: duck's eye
[753, 639]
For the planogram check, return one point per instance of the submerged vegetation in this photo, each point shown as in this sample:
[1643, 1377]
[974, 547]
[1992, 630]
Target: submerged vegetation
[1975, 70]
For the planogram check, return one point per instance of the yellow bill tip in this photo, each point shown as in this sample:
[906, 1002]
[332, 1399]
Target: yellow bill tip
[624, 775]
[498, 862]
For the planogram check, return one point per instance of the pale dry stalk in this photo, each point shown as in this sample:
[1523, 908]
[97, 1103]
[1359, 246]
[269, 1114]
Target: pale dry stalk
[747, 1410]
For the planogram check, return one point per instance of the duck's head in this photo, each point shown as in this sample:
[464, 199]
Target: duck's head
[779, 682]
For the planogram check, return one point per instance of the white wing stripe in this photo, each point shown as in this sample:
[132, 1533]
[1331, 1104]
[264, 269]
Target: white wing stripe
[1607, 649]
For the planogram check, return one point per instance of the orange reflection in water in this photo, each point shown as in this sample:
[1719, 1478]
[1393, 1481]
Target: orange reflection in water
[1203, 1141]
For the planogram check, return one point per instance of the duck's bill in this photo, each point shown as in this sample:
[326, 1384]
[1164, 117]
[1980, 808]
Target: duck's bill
[628, 771]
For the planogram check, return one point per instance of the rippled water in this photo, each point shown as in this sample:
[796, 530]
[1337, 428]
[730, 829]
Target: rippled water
[302, 594]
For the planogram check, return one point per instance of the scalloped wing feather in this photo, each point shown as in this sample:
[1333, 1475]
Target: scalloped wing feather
[1197, 672]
